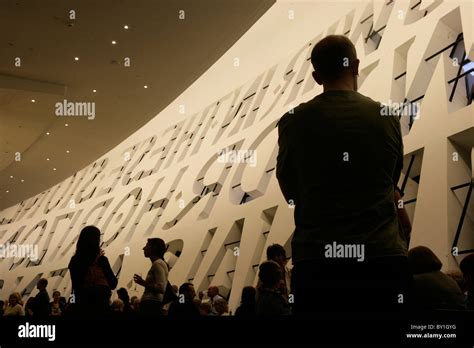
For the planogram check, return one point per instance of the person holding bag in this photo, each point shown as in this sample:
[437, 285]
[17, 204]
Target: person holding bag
[92, 277]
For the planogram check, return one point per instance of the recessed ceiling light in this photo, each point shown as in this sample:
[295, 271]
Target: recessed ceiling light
[7, 191]
[76, 58]
[66, 124]
[54, 168]
[94, 90]
[125, 26]
[33, 101]
[22, 180]
[47, 133]
[114, 42]
[67, 151]
[47, 159]
[11, 176]
[145, 86]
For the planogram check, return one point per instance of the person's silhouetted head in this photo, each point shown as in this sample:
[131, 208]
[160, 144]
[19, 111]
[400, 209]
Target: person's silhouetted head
[335, 63]
[155, 248]
[269, 274]
[276, 252]
[42, 284]
[248, 295]
[467, 269]
[221, 306]
[88, 244]
[187, 289]
[205, 308]
[56, 296]
[122, 294]
[14, 299]
[422, 260]
[212, 291]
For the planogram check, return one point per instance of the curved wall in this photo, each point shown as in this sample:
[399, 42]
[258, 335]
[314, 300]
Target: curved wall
[166, 179]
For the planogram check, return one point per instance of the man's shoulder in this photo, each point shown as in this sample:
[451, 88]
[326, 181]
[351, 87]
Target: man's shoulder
[288, 119]
[368, 100]
[284, 121]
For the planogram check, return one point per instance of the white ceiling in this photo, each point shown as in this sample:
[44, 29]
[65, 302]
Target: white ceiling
[167, 54]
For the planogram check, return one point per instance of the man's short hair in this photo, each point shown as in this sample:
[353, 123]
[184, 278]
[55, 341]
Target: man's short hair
[158, 246]
[184, 287]
[248, 294]
[269, 273]
[274, 251]
[332, 56]
[467, 265]
[43, 281]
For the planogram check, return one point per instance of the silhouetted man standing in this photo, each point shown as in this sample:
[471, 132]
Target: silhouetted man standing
[339, 161]
[42, 307]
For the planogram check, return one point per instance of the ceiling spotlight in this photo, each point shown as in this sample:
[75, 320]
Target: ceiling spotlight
[125, 26]
[11, 176]
[67, 151]
[76, 58]
[54, 168]
[22, 180]
[114, 42]
[7, 191]
[145, 86]
[47, 133]
[47, 159]
[66, 124]
[94, 90]
[33, 101]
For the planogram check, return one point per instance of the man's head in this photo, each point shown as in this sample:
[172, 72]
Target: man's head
[56, 295]
[212, 291]
[14, 299]
[205, 308]
[467, 269]
[248, 295]
[335, 63]
[122, 294]
[187, 289]
[42, 284]
[270, 274]
[221, 306]
[277, 253]
[155, 247]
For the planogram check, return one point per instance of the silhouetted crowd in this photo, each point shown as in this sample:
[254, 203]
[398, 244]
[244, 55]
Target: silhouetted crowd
[431, 289]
